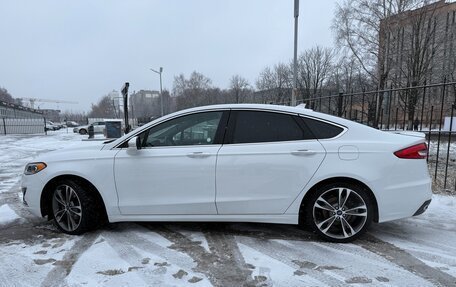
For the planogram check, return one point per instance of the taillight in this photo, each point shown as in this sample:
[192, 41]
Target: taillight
[418, 151]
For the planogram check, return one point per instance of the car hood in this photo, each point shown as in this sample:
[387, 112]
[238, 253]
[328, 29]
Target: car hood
[72, 153]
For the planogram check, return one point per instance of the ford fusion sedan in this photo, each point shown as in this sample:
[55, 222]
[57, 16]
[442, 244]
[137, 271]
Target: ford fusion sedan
[237, 163]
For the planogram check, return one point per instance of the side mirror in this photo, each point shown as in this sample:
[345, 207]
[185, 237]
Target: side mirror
[134, 143]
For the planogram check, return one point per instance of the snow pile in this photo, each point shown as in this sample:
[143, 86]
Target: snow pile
[7, 215]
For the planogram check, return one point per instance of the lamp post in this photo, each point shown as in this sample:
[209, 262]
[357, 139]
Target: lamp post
[160, 71]
[294, 93]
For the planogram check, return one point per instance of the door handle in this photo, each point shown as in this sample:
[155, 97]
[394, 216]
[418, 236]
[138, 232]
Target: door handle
[303, 152]
[197, 154]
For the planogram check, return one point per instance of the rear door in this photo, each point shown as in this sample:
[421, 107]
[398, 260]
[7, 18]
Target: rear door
[266, 161]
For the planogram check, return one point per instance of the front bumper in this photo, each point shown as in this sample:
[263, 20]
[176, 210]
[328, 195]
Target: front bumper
[31, 186]
[24, 191]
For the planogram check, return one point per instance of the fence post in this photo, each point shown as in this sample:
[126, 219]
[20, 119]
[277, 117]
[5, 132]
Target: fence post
[422, 107]
[329, 105]
[45, 131]
[339, 104]
[453, 106]
[440, 128]
[430, 133]
[4, 126]
[362, 108]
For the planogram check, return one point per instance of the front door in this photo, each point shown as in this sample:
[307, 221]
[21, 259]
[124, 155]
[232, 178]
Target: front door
[174, 171]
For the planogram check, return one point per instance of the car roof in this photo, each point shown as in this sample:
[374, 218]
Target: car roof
[260, 107]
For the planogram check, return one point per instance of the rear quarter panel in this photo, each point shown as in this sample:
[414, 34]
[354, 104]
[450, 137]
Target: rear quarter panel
[400, 186]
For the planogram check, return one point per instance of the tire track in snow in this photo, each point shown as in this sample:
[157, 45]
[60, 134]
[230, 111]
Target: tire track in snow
[124, 241]
[223, 266]
[56, 277]
[405, 260]
[292, 258]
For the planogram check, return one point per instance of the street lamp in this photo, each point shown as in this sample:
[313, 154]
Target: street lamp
[294, 93]
[160, 71]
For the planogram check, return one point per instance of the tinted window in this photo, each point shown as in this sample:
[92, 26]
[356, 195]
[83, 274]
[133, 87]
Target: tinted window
[195, 129]
[254, 127]
[322, 130]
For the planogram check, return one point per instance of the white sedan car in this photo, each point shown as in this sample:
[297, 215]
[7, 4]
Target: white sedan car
[98, 127]
[249, 163]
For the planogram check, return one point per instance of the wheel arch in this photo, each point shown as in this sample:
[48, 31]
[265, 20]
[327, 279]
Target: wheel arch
[334, 180]
[46, 194]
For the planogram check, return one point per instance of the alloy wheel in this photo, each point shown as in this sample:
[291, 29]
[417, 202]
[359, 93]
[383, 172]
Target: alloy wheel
[67, 208]
[340, 213]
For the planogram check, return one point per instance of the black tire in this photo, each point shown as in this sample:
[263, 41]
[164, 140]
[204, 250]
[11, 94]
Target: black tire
[83, 131]
[91, 215]
[347, 219]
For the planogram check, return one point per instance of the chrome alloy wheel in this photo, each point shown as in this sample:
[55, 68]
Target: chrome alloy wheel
[66, 207]
[340, 213]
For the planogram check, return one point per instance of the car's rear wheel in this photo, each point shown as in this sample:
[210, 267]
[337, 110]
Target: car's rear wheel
[83, 131]
[74, 209]
[340, 212]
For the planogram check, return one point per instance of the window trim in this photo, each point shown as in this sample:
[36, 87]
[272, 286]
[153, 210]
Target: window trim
[344, 128]
[232, 123]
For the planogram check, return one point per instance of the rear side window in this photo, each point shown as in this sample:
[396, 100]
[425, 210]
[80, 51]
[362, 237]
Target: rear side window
[322, 130]
[256, 127]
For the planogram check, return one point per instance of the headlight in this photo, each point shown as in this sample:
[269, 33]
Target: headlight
[34, 167]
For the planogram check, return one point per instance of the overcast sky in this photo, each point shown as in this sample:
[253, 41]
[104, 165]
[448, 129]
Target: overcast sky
[81, 50]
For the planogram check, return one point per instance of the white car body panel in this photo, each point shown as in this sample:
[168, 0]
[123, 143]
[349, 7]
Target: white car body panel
[181, 192]
[263, 178]
[166, 180]
[89, 163]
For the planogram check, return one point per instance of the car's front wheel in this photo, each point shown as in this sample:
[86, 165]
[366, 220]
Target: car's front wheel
[340, 212]
[82, 131]
[74, 208]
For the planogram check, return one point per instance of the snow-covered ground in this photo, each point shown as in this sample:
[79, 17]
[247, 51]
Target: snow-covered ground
[419, 251]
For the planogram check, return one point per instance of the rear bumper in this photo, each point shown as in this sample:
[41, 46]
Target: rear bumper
[404, 200]
[423, 208]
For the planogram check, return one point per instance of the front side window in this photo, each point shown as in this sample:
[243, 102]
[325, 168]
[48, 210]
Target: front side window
[194, 129]
[258, 126]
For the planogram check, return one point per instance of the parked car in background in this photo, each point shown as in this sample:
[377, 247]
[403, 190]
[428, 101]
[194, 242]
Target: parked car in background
[72, 124]
[60, 125]
[50, 126]
[98, 127]
[249, 163]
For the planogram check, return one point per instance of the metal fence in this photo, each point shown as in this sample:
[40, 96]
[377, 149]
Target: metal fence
[430, 109]
[16, 119]
[22, 126]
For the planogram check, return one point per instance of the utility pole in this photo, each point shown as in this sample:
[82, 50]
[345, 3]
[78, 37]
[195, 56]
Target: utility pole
[124, 91]
[294, 93]
[160, 71]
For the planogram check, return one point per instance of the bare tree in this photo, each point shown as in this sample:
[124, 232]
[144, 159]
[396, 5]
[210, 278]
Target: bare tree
[359, 29]
[314, 70]
[103, 109]
[418, 50]
[194, 91]
[275, 84]
[5, 96]
[238, 87]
